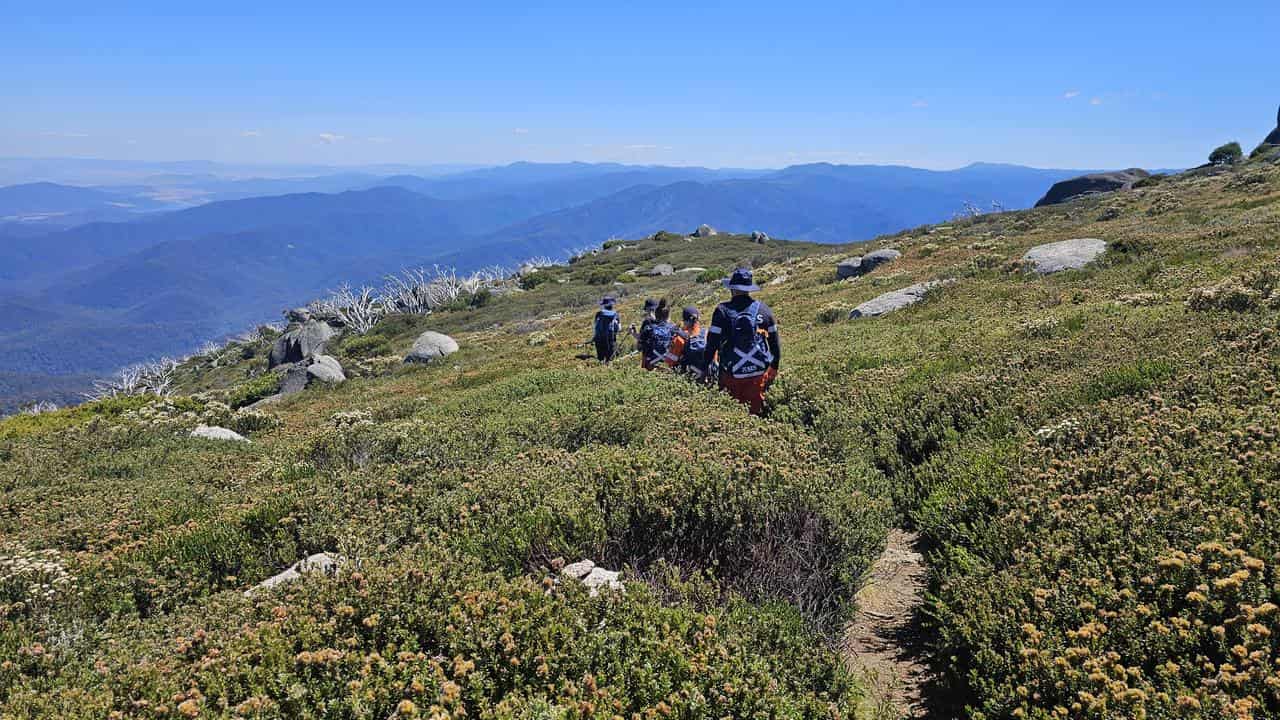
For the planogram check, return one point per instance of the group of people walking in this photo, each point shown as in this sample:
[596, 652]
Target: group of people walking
[740, 350]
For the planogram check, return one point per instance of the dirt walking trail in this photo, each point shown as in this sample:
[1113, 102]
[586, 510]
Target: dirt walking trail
[882, 644]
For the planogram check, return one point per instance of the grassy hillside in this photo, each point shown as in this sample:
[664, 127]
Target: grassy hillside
[1090, 456]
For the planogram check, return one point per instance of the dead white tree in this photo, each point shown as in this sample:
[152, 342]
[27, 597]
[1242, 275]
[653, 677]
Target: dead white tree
[359, 310]
[149, 378]
[407, 292]
[39, 408]
[535, 264]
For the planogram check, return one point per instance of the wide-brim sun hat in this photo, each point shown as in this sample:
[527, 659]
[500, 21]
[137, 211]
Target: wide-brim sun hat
[741, 280]
[608, 300]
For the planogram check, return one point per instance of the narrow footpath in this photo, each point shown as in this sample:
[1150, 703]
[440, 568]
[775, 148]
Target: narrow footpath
[882, 646]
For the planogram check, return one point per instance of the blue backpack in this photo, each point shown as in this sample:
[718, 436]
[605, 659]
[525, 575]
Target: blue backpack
[606, 326]
[695, 350]
[657, 341]
[749, 348]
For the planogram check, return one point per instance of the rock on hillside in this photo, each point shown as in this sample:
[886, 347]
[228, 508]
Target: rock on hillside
[302, 342]
[1064, 255]
[896, 300]
[319, 562]
[211, 432]
[1274, 137]
[326, 369]
[431, 346]
[1091, 184]
[593, 576]
[858, 266]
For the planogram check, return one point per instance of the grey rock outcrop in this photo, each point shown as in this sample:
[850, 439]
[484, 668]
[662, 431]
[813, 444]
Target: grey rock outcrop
[302, 375]
[298, 344]
[297, 315]
[896, 300]
[295, 380]
[318, 563]
[661, 270]
[593, 576]
[213, 432]
[1064, 255]
[1274, 137]
[431, 346]
[759, 237]
[858, 266]
[705, 230]
[1092, 184]
[326, 369]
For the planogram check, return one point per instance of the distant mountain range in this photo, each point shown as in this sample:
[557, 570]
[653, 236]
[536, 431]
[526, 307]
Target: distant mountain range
[135, 282]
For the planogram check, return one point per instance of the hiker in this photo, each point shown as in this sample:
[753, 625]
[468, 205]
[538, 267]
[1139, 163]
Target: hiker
[656, 336]
[605, 333]
[689, 346]
[650, 306]
[744, 337]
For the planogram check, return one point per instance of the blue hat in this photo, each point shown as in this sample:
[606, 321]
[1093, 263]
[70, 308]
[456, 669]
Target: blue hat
[743, 280]
[608, 301]
[650, 305]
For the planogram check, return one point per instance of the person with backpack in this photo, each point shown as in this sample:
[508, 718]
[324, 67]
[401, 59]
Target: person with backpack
[656, 336]
[650, 305]
[744, 338]
[689, 346]
[605, 330]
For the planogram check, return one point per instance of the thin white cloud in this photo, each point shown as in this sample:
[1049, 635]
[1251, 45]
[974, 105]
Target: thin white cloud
[1095, 101]
[251, 133]
[1070, 94]
[641, 147]
[521, 131]
[54, 133]
[920, 104]
[330, 138]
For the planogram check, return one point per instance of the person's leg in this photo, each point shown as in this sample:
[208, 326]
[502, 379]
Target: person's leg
[748, 391]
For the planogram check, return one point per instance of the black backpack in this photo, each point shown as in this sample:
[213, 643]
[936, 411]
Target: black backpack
[750, 354]
[606, 327]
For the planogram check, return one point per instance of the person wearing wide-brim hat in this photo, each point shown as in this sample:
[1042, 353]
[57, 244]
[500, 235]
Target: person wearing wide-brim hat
[605, 330]
[744, 339]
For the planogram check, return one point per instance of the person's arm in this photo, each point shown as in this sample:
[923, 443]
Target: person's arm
[715, 338]
[775, 340]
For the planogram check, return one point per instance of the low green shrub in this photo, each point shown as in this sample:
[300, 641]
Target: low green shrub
[253, 390]
[711, 275]
[432, 634]
[1118, 563]
[832, 314]
[49, 422]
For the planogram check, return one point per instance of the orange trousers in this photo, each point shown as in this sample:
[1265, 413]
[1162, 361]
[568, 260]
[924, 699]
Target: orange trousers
[749, 391]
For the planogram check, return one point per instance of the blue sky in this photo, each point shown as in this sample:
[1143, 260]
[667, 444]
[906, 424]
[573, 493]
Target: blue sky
[1050, 84]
